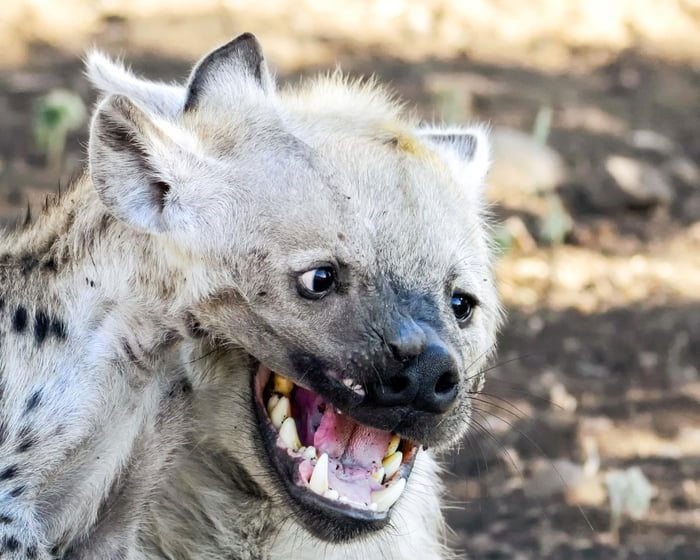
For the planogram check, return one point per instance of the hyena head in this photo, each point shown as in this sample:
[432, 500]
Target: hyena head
[336, 255]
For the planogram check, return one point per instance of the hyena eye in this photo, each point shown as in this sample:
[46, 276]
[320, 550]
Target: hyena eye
[463, 306]
[317, 282]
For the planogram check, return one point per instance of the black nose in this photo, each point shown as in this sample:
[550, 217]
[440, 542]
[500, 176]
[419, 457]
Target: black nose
[429, 382]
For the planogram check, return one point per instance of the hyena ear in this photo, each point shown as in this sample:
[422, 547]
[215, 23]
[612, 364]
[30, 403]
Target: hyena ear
[112, 78]
[229, 72]
[138, 163]
[471, 145]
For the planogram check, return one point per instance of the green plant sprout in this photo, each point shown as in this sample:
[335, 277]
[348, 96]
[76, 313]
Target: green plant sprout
[57, 114]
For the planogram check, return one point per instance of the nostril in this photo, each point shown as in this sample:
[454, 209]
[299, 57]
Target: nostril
[398, 384]
[446, 383]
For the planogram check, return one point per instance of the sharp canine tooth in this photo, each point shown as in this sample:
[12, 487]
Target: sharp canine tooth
[387, 497]
[309, 452]
[393, 445]
[378, 475]
[392, 463]
[282, 411]
[331, 495]
[288, 434]
[348, 382]
[319, 478]
[282, 385]
[274, 399]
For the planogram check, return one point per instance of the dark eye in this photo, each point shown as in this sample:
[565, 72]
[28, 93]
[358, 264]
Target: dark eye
[317, 282]
[463, 306]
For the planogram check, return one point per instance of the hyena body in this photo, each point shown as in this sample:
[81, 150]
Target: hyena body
[137, 313]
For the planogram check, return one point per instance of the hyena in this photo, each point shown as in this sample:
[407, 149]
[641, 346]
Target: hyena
[239, 333]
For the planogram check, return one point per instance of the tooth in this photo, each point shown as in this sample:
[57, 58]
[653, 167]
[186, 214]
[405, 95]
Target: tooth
[274, 399]
[359, 390]
[319, 478]
[288, 434]
[282, 385]
[387, 497]
[309, 452]
[348, 382]
[393, 445]
[282, 411]
[392, 463]
[378, 475]
[331, 495]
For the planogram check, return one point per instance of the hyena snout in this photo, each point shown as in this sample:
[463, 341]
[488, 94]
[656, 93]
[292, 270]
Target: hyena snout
[428, 376]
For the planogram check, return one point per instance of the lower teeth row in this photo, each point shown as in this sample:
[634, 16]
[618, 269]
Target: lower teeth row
[280, 412]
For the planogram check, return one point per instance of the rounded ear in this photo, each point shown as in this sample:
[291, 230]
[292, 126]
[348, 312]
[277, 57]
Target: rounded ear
[229, 72]
[131, 161]
[470, 144]
[112, 78]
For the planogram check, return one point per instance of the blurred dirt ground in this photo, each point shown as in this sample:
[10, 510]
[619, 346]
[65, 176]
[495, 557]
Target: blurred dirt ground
[596, 191]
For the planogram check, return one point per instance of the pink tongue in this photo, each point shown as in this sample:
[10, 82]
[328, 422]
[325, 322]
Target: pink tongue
[354, 451]
[344, 439]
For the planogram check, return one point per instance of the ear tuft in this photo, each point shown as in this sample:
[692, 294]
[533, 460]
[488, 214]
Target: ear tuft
[229, 69]
[113, 78]
[471, 144]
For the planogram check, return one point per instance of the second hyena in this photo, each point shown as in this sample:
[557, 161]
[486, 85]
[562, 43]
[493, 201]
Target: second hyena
[234, 336]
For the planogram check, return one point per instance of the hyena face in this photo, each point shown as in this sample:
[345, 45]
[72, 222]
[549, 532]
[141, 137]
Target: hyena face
[339, 256]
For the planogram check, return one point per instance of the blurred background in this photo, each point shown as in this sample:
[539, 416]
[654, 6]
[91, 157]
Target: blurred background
[587, 443]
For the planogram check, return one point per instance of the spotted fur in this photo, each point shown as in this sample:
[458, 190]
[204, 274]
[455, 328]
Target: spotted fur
[134, 310]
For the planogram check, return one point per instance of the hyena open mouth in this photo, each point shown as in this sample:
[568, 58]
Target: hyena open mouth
[327, 460]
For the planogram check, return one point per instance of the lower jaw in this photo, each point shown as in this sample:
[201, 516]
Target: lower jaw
[326, 514]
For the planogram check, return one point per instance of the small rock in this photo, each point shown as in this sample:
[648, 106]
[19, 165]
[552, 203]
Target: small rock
[630, 493]
[522, 164]
[685, 170]
[653, 141]
[553, 477]
[643, 184]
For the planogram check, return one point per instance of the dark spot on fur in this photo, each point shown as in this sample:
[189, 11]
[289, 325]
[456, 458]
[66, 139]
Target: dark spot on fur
[16, 492]
[3, 432]
[58, 329]
[27, 262]
[194, 327]
[31, 552]
[33, 401]
[182, 387]
[129, 351]
[26, 444]
[41, 326]
[9, 473]
[262, 294]
[5, 519]
[11, 544]
[2, 304]
[49, 265]
[19, 320]
[341, 237]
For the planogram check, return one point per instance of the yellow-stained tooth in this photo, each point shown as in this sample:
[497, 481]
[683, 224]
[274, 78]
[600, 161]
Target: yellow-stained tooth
[393, 445]
[391, 464]
[282, 411]
[282, 385]
[288, 434]
[319, 478]
[378, 475]
[387, 497]
[274, 399]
